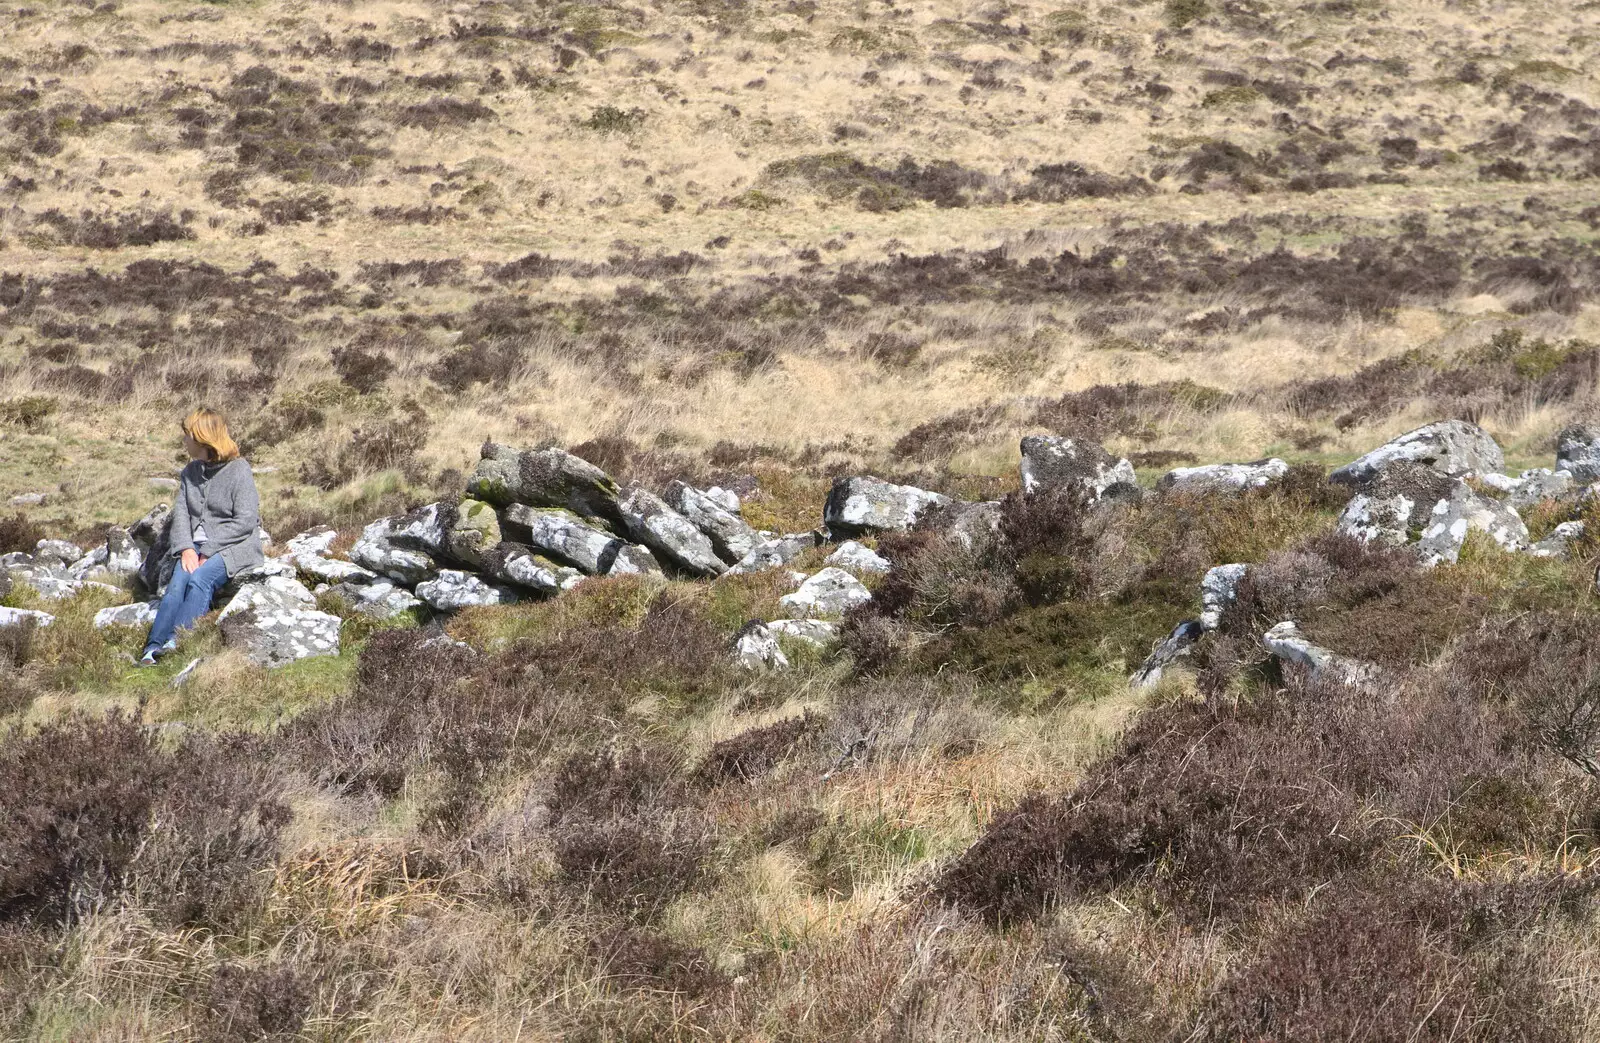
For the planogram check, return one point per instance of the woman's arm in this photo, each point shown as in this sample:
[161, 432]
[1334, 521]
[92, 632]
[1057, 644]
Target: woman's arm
[246, 516]
[182, 535]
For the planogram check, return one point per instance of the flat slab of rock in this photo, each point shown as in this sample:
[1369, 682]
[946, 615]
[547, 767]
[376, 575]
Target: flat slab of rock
[774, 553]
[1052, 462]
[669, 535]
[818, 632]
[275, 623]
[559, 534]
[1413, 504]
[858, 558]
[377, 598]
[827, 595]
[864, 505]
[453, 589]
[1286, 641]
[543, 478]
[1223, 477]
[1450, 447]
[524, 567]
[730, 535]
[1559, 543]
[1531, 487]
[1219, 588]
[138, 614]
[10, 617]
[1578, 453]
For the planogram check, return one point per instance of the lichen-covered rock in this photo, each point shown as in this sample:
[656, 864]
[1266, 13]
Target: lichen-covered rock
[756, 648]
[1578, 452]
[50, 580]
[1051, 462]
[267, 569]
[562, 535]
[380, 550]
[1218, 589]
[974, 524]
[1413, 504]
[1177, 645]
[154, 533]
[11, 617]
[274, 622]
[474, 529]
[1531, 487]
[1286, 641]
[1559, 543]
[57, 552]
[634, 560]
[727, 499]
[377, 598]
[774, 553]
[1222, 477]
[863, 505]
[858, 558]
[668, 534]
[1450, 447]
[817, 632]
[730, 535]
[138, 614]
[453, 589]
[544, 478]
[827, 595]
[333, 570]
[522, 566]
[317, 541]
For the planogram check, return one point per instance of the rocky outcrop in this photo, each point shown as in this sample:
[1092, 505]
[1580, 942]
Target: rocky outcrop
[827, 595]
[394, 547]
[774, 553]
[474, 529]
[1285, 641]
[1225, 478]
[559, 534]
[1050, 462]
[1450, 447]
[1219, 588]
[1531, 487]
[154, 533]
[864, 505]
[755, 647]
[138, 614]
[1578, 453]
[275, 622]
[1559, 543]
[730, 535]
[10, 617]
[1413, 504]
[668, 534]
[859, 559]
[973, 524]
[1175, 646]
[816, 632]
[522, 566]
[544, 478]
[379, 599]
[452, 590]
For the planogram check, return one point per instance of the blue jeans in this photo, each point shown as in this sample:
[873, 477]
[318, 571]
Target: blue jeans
[188, 597]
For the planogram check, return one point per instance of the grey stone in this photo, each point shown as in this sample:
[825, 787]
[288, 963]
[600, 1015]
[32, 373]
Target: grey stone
[727, 499]
[1051, 462]
[60, 552]
[634, 560]
[124, 553]
[1559, 543]
[473, 531]
[16, 559]
[1218, 589]
[28, 499]
[10, 617]
[522, 566]
[333, 570]
[1450, 447]
[379, 551]
[975, 524]
[544, 478]
[774, 553]
[1223, 477]
[864, 505]
[668, 534]
[1531, 487]
[1578, 452]
[154, 533]
[827, 595]
[314, 541]
[859, 559]
[1409, 503]
[274, 622]
[818, 632]
[756, 648]
[453, 589]
[138, 614]
[1176, 645]
[379, 598]
[1286, 641]
[730, 535]
[562, 535]
[93, 562]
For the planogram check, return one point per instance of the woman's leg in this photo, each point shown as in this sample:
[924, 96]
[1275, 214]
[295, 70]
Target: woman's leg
[171, 607]
[202, 587]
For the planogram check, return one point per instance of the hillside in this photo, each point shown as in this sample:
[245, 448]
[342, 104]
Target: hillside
[478, 758]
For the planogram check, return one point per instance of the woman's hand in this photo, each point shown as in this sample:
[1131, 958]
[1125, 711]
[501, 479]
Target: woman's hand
[191, 561]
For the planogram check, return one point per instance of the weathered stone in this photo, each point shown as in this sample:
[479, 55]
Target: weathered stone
[1285, 641]
[377, 598]
[818, 632]
[11, 617]
[774, 553]
[1559, 543]
[452, 589]
[333, 570]
[59, 552]
[380, 550]
[281, 568]
[138, 614]
[1531, 487]
[1175, 646]
[16, 559]
[1450, 447]
[756, 648]
[274, 622]
[1578, 452]
[28, 499]
[864, 505]
[318, 541]
[1050, 462]
[859, 559]
[154, 533]
[1218, 589]
[1410, 503]
[474, 529]
[727, 499]
[1222, 477]
[974, 524]
[557, 532]
[827, 595]
[544, 478]
[668, 534]
[91, 564]
[634, 560]
[52, 581]
[522, 566]
[730, 535]
[124, 553]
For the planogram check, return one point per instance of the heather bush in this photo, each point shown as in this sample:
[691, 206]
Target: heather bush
[636, 958]
[751, 754]
[636, 865]
[615, 782]
[364, 371]
[20, 533]
[246, 1003]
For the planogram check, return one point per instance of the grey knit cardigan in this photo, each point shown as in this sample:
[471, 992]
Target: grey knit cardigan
[219, 499]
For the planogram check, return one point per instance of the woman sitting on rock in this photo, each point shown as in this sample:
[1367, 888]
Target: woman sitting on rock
[214, 525]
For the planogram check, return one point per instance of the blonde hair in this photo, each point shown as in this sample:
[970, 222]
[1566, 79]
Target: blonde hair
[211, 431]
